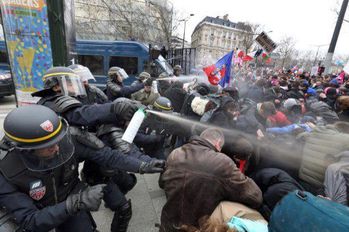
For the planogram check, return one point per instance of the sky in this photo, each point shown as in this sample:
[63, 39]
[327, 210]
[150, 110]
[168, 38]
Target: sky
[309, 22]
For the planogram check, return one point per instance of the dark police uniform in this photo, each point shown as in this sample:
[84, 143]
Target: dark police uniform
[116, 90]
[119, 182]
[43, 192]
[37, 199]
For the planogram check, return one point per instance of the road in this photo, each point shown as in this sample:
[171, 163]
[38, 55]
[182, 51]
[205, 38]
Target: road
[146, 197]
[6, 105]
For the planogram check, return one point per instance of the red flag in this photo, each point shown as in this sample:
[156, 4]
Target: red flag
[268, 61]
[240, 53]
[247, 58]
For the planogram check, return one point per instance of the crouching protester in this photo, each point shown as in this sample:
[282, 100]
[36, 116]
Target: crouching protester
[198, 177]
[39, 179]
[230, 217]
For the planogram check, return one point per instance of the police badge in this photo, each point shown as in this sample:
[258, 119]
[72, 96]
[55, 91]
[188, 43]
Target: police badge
[37, 191]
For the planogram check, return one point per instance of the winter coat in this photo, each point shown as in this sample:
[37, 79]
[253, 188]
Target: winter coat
[275, 184]
[177, 95]
[255, 93]
[145, 98]
[336, 184]
[295, 93]
[321, 149]
[278, 120]
[197, 179]
[163, 86]
[323, 110]
[288, 129]
[250, 122]
[222, 118]
[187, 109]
[271, 95]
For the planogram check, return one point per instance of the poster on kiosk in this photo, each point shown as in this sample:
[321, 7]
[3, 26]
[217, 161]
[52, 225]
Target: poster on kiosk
[27, 36]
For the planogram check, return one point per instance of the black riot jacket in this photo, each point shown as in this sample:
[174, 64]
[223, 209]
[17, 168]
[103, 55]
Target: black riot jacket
[78, 114]
[45, 188]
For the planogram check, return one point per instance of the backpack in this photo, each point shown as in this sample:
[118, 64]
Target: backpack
[302, 211]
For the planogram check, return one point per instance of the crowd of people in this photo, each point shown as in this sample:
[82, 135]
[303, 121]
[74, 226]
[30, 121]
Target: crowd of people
[226, 156]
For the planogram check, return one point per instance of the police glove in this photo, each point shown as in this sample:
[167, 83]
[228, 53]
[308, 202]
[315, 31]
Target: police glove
[87, 200]
[153, 166]
[125, 110]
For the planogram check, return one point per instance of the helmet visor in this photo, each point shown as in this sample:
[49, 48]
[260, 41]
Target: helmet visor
[71, 85]
[122, 73]
[50, 157]
[84, 73]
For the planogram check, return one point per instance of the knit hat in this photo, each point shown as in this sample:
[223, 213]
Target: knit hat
[291, 102]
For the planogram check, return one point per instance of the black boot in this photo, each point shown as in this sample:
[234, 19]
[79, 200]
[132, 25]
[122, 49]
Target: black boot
[122, 217]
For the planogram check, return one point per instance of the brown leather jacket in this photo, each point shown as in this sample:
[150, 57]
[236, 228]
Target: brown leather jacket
[197, 179]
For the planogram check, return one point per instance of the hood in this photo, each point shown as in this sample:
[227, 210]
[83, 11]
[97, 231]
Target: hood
[197, 140]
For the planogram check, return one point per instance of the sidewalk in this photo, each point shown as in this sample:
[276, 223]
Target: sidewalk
[147, 201]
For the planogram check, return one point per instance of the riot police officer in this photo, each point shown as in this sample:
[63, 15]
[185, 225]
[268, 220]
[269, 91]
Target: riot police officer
[39, 174]
[61, 85]
[141, 78]
[115, 87]
[42, 161]
[93, 93]
[57, 80]
[177, 70]
[118, 182]
[167, 129]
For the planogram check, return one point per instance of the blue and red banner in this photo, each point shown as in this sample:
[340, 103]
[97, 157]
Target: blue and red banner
[219, 73]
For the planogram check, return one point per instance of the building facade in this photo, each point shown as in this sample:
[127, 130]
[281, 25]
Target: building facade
[148, 21]
[214, 37]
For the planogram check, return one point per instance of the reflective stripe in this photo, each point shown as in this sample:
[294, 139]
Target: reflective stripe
[37, 139]
[60, 74]
[162, 107]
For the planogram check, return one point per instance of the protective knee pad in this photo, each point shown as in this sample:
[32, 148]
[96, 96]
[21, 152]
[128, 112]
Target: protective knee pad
[122, 218]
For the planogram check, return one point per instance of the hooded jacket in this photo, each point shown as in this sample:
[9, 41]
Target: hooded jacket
[197, 179]
[177, 95]
[221, 117]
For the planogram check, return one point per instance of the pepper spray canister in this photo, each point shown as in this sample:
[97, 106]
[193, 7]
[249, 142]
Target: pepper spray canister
[134, 126]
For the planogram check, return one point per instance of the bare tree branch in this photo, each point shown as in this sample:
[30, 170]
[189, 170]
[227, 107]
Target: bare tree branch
[248, 31]
[146, 21]
[287, 50]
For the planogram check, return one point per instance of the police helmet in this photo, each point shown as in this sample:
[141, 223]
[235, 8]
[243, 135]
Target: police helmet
[83, 72]
[143, 75]
[115, 72]
[163, 104]
[40, 136]
[177, 68]
[69, 83]
[163, 75]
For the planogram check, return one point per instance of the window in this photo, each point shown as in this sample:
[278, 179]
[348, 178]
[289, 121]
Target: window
[94, 63]
[3, 57]
[130, 64]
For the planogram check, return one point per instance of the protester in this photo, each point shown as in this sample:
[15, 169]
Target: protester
[199, 171]
[146, 96]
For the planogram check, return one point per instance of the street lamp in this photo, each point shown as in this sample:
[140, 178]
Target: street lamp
[185, 23]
